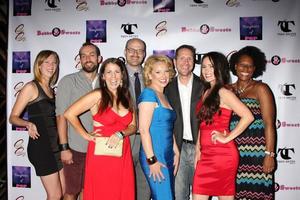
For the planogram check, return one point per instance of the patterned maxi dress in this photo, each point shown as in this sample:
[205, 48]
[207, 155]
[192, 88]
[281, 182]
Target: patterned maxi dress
[251, 182]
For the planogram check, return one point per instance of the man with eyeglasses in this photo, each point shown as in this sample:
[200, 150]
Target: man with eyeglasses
[135, 52]
[183, 93]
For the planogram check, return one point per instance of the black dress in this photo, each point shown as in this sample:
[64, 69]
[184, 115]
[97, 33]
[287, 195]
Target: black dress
[43, 153]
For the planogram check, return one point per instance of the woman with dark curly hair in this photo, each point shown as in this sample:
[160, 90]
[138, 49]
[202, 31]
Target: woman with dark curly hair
[257, 143]
[216, 156]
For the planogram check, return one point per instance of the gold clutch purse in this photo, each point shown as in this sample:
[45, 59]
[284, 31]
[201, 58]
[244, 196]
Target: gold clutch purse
[101, 148]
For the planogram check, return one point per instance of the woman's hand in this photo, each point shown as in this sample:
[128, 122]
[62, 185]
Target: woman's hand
[219, 136]
[268, 164]
[32, 131]
[155, 171]
[113, 141]
[176, 163]
[92, 135]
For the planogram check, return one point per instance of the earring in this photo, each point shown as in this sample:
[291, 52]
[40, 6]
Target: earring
[121, 83]
[104, 84]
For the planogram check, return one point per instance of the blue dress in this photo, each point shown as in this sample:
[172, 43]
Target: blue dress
[161, 131]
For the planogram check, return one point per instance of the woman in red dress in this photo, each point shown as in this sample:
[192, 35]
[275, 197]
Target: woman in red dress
[216, 156]
[106, 176]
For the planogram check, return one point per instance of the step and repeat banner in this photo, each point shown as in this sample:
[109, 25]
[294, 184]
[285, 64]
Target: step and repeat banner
[220, 25]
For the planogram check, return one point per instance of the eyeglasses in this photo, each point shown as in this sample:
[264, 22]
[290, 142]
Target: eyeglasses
[133, 51]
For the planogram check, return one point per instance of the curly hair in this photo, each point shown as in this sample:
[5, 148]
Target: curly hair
[257, 56]
[151, 60]
[211, 104]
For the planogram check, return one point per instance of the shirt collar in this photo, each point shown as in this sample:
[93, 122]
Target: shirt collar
[190, 83]
[131, 71]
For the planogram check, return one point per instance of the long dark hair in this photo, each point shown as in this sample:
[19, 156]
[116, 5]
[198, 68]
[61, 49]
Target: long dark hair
[211, 104]
[123, 95]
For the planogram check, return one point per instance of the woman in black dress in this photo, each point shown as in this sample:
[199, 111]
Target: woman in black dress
[38, 98]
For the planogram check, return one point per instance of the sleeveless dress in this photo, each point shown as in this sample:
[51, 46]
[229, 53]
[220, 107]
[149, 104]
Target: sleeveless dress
[43, 153]
[216, 170]
[251, 182]
[109, 177]
[161, 131]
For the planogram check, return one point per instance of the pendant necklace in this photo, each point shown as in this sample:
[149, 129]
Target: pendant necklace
[239, 90]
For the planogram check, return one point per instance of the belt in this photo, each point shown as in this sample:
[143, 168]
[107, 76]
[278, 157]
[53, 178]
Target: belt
[188, 141]
[137, 133]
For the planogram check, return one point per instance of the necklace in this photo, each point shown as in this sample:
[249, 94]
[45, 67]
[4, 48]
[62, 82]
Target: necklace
[240, 90]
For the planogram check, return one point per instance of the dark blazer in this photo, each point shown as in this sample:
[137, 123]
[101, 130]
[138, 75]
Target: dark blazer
[172, 93]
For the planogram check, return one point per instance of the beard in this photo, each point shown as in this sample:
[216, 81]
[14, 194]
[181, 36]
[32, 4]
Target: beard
[91, 69]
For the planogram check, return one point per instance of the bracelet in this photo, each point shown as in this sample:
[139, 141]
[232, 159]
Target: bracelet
[120, 135]
[151, 160]
[270, 153]
[63, 147]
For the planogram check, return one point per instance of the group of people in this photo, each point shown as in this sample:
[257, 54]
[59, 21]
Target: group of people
[175, 132]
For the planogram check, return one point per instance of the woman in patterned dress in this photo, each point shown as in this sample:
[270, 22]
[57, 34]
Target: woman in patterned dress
[257, 144]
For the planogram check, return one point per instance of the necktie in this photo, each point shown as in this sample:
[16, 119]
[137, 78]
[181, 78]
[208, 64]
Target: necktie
[137, 86]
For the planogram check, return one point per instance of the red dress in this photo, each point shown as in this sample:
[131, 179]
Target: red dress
[108, 177]
[216, 170]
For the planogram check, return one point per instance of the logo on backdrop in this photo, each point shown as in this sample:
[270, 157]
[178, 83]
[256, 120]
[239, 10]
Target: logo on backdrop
[161, 29]
[163, 5]
[205, 29]
[276, 60]
[22, 8]
[285, 25]
[20, 197]
[57, 32]
[251, 28]
[230, 54]
[169, 53]
[21, 176]
[77, 62]
[285, 187]
[20, 33]
[52, 5]
[198, 57]
[199, 3]
[285, 155]
[96, 31]
[21, 62]
[128, 30]
[121, 3]
[285, 124]
[288, 90]
[82, 5]
[286, 28]
[233, 3]
[19, 148]
[17, 88]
